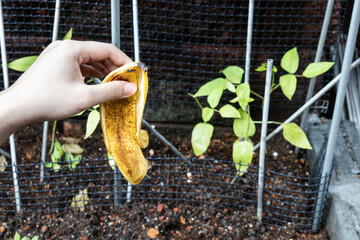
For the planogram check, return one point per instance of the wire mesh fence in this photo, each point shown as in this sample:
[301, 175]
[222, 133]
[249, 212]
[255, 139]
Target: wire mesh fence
[287, 199]
[185, 44]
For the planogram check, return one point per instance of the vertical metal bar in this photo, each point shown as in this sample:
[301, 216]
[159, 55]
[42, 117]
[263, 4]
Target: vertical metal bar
[249, 40]
[6, 85]
[319, 52]
[137, 58]
[339, 104]
[312, 100]
[115, 40]
[136, 31]
[46, 123]
[264, 124]
[115, 22]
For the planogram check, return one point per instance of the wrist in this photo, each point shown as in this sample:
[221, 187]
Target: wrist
[11, 118]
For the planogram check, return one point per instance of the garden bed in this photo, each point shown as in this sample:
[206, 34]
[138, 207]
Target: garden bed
[170, 203]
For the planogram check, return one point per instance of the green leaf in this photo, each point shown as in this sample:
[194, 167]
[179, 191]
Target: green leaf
[22, 64]
[263, 67]
[79, 114]
[111, 161]
[290, 61]
[316, 69]
[230, 86]
[68, 35]
[233, 73]
[25, 238]
[56, 167]
[48, 164]
[288, 85]
[295, 135]
[200, 137]
[243, 92]
[244, 127]
[214, 97]
[209, 87]
[58, 152]
[229, 111]
[35, 238]
[77, 157]
[17, 236]
[207, 113]
[68, 157]
[92, 122]
[242, 155]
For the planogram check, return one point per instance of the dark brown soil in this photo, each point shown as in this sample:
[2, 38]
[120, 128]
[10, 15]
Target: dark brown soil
[143, 220]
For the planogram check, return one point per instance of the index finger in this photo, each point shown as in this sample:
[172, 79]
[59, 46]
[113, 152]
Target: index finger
[93, 52]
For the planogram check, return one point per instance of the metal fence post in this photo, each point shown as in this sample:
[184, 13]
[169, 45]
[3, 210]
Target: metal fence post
[339, 104]
[115, 40]
[249, 40]
[264, 124]
[319, 52]
[317, 96]
[6, 85]
[46, 123]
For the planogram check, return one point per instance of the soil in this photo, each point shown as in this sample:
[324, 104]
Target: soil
[152, 219]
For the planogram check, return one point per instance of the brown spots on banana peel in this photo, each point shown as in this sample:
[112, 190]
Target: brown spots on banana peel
[121, 123]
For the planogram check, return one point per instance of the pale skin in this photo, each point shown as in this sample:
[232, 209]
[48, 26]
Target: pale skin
[53, 87]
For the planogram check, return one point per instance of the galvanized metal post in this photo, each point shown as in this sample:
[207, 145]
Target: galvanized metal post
[264, 124]
[6, 154]
[115, 40]
[316, 97]
[6, 85]
[249, 40]
[319, 52]
[46, 123]
[339, 104]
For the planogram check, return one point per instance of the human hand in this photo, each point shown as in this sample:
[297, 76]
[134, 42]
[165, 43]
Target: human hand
[53, 87]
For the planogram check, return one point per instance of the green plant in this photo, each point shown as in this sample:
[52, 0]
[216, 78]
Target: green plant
[17, 237]
[71, 160]
[238, 108]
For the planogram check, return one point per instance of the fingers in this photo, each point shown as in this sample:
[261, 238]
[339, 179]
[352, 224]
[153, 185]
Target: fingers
[93, 52]
[102, 93]
[89, 71]
[94, 70]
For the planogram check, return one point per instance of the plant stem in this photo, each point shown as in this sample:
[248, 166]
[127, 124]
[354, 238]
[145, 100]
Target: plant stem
[198, 103]
[258, 95]
[273, 89]
[53, 137]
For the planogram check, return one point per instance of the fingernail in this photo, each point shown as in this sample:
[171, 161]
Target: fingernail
[129, 89]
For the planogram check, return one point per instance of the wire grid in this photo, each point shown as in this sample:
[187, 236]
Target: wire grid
[185, 44]
[287, 199]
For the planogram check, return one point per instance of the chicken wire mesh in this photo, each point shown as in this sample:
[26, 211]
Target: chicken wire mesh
[185, 44]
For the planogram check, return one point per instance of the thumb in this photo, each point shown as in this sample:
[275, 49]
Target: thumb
[109, 91]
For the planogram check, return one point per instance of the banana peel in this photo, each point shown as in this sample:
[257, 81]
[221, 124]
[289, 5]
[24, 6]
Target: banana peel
[121, 123]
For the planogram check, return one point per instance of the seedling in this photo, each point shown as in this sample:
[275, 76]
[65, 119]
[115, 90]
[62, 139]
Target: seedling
[71, 160]
[17, 237]
[239, 108]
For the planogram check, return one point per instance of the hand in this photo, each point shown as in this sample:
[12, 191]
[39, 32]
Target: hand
[53, 87]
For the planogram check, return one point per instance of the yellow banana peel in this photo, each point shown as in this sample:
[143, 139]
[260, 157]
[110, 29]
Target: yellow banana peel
[121, 123]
